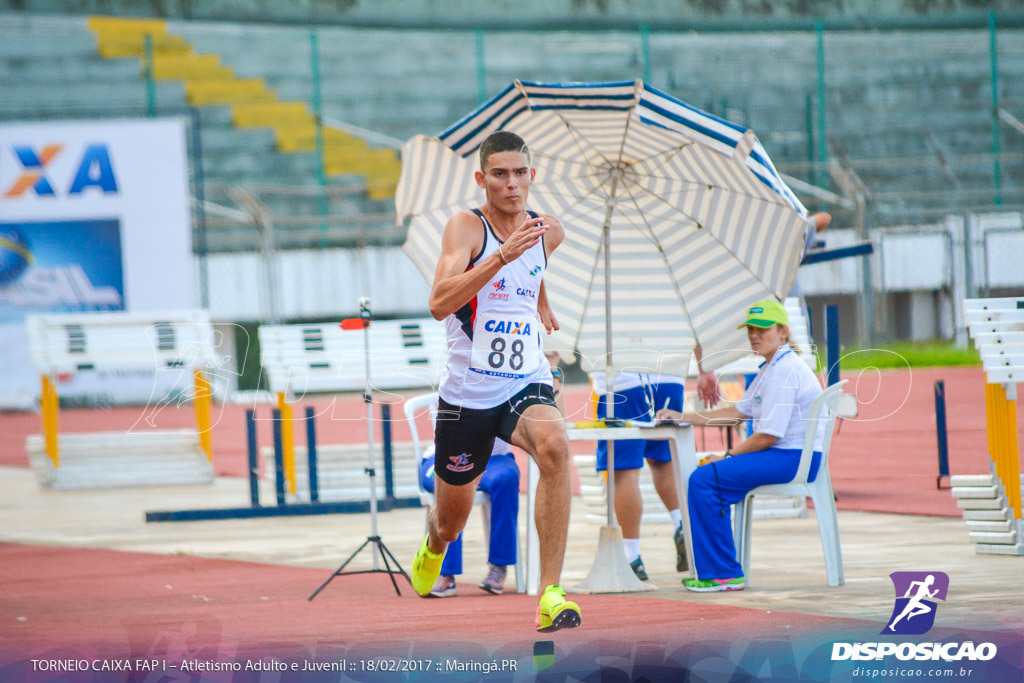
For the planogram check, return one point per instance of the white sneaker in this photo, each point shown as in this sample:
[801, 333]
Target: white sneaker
[445, 587]
[494, 582]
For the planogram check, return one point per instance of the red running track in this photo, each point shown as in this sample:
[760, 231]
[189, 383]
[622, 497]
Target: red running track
[884, 461]
[101, 602]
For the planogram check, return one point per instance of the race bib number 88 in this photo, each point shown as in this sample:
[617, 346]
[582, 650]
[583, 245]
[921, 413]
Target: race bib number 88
[505, 348]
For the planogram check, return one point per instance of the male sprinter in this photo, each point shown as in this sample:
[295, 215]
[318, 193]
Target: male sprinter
[496, 383]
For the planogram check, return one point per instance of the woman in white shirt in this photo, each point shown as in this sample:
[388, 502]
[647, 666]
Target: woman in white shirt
[778, 402]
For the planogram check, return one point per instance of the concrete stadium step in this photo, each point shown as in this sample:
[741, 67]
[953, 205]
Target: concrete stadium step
[215, 117]
[228, 90]
[236, 168]
[270, 114]
[209, 81]
[228, 139]
[189, 67]
[127, 37]
[130, 94]
[43, 36]
[60, 69]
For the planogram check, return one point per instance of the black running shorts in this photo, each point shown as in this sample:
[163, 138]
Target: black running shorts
[464, 437]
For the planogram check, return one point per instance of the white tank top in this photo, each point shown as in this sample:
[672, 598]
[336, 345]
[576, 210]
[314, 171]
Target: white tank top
[494, 343]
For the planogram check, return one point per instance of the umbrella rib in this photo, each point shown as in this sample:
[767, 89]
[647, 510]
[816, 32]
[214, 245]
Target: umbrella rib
[664, 258]
[586, 300]
[696, 222]
[730, 190]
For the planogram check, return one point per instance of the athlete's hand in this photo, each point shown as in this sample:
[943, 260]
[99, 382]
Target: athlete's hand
[525, 236]
[707, 389]
[547, 316]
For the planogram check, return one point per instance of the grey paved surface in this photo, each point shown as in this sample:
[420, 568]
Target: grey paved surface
[788, 573]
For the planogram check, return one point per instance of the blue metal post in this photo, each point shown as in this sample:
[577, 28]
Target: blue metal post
[278, 458]
[254, 465]
[940, 430]
[314, 482]
[389, 472]
[832, 343]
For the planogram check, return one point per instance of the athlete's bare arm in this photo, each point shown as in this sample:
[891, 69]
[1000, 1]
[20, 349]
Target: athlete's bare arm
[553, 238]
[555, 233]
[544, 312]
[463, 237]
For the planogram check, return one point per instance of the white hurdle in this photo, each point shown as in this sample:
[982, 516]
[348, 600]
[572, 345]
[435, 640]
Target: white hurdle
[992, 502]
[168, 340]
[321, 357]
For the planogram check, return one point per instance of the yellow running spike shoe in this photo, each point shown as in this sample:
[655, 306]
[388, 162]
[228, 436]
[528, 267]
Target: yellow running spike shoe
[426, 567]
[556, 612]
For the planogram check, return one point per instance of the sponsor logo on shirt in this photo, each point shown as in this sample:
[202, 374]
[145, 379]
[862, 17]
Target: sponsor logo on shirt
[499, 290]
[508, 327]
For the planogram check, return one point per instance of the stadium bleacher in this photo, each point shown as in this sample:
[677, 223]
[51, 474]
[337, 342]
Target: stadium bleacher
[910, 110]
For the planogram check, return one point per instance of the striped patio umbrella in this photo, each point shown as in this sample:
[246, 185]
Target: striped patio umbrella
[675, 220]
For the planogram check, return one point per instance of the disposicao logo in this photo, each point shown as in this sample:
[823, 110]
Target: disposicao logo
[913, 614]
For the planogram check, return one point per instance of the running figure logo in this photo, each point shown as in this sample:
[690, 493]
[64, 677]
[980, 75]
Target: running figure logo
[460, 463]
[914, 612]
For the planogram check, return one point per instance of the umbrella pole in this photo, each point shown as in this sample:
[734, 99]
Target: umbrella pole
[610, 572]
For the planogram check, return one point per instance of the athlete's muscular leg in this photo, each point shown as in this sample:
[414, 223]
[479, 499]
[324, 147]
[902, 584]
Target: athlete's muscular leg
[541, 433]
[452, 505]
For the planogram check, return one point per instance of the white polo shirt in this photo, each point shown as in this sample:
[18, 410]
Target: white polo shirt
[779, 400]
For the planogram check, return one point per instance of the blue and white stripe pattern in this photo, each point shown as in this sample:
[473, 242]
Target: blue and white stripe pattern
[701, 224]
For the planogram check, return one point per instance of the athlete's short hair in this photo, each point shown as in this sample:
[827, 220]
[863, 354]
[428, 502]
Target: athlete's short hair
[501, 141]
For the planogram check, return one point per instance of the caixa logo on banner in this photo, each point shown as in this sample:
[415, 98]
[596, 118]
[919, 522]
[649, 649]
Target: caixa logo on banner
[38, 175]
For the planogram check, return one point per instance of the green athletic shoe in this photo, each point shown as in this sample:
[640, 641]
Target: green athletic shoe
[556, 612]
[714, 585]
[426, 567]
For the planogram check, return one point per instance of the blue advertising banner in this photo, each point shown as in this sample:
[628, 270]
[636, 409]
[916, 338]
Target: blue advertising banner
[60, 267]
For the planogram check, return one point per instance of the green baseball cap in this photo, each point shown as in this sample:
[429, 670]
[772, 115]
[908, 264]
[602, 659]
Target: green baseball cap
[766, 313]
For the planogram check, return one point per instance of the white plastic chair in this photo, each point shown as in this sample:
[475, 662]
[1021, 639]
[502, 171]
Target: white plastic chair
[410, 407]
[820, 491]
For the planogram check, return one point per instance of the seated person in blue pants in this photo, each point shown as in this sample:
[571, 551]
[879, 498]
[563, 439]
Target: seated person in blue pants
[500, 481]
[778, 401]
